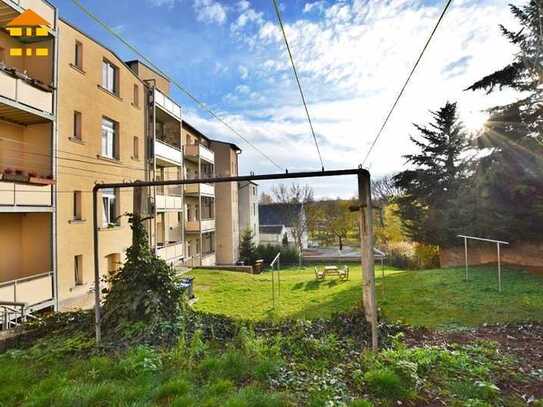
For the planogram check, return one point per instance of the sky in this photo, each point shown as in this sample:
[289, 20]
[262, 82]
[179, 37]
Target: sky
[352, 56]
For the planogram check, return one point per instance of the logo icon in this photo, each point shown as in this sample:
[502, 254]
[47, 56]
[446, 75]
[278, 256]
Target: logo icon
[28, 27]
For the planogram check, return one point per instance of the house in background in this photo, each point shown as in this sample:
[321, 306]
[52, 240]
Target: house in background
[290, 216]
[248, 208]
[272, 234]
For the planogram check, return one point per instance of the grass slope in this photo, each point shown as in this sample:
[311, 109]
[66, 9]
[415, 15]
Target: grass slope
[430, 298]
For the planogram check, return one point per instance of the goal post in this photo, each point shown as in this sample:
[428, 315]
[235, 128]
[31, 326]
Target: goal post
[498, 255]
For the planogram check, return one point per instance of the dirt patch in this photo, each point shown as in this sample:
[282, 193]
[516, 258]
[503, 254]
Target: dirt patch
[522, 341]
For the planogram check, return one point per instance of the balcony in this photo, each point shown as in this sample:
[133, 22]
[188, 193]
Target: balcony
[194, 152]
[200, 189]
[167, 155]
[10, 9]
[197, 226]
[166, 203]
[23, 100]
[171, 252]
[167, 104]
[14, 194]
[35, 291]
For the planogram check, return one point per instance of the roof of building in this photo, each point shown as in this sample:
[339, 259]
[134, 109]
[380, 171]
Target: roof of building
[232, 145]
[155, 70]
[191, 128]
[278, 213]
[28, 19]
[271, 229]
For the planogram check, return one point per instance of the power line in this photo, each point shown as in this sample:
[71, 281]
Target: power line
[406, 82]
[181, 87]
[279, 18]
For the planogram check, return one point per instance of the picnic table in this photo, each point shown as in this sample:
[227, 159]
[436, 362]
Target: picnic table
[342, 273]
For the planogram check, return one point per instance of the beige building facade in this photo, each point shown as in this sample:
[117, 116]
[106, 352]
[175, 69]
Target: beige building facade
[248, 209]
[81, 116]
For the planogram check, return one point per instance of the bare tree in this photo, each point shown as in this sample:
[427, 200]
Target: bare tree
[298, 214]
[265, 198]
[384, 190]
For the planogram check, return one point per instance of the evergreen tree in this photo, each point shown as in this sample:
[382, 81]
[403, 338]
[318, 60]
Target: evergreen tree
[506, 191]
[434, 180]
[247, 249]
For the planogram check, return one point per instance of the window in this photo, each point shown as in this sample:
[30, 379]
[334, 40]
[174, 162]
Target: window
[254, 209]
[78, 60]
[109, 198]
[254, 191]
[78, 270]
[77, 125]
[77, 205]
[189, 249]
[110, 77]
[136, 154]
[197, 247]
[109, 138]
[136, 96]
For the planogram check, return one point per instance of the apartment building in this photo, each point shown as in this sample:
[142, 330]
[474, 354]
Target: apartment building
[165, 162]
[200, 199]
[28, 120]
[73, 114]
[101, 138]
[248, 209]
[227, 222]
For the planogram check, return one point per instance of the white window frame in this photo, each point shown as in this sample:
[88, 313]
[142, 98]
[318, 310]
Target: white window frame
[109, 76]
[109, 201]
[108, 138]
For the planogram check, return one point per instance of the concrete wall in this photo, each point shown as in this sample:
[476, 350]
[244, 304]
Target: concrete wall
[81, 91]
[226, 193]
[523, 254]
[25, 239]
[248, 209]
[28, 147]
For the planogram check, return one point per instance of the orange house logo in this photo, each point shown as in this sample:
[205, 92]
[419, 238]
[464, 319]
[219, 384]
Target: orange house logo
[28, 26]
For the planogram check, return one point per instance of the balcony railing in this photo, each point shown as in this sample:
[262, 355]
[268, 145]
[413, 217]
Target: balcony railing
[203, 189]
[24, 92]
[169, 203]
[171, 252]
[170, 155]
[12, 194]
[167, 104]
[33, 290]
[204, 225]
[195, 151]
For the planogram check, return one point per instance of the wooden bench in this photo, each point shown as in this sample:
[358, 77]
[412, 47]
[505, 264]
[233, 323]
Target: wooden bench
[342, 273]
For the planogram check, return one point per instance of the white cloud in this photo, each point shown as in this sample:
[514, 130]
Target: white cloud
[316, 5]
[243, 72]
[209, 11]
[353, 61]
[243, 89]
[243, 5]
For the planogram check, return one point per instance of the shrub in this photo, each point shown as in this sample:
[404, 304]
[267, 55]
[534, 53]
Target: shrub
[145, 291]
[289, 255]
[385, 383]
[427, 256]
[247, 249]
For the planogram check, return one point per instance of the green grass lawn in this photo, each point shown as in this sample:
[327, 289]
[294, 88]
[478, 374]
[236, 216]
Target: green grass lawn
[430, 298]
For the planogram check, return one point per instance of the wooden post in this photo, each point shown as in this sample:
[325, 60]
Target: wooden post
[366, 256]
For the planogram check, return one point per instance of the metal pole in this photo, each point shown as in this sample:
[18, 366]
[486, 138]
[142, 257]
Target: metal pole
[366, 251]
[273, 287]
[383, 275]
[278, 281]
[360, 172]
[499, 269]
[466, 256]
[97, 316]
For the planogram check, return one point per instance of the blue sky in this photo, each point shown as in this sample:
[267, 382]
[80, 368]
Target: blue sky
[353, 56]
